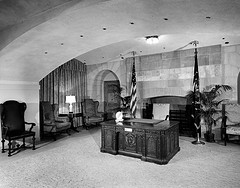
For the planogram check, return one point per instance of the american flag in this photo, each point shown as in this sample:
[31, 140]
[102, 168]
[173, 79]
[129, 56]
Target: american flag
[196, 99]
[133, 94]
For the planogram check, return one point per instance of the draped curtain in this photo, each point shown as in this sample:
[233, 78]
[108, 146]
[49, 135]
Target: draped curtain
[67, 79]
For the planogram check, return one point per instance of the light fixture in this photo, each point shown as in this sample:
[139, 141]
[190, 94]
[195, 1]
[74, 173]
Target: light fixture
[70, 99]
[152, 39]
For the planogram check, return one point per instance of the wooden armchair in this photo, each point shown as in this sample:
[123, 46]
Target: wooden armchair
[90, 113]
[51, 122]
[13, 125]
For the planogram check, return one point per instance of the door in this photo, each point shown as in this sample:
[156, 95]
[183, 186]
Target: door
[111, 99]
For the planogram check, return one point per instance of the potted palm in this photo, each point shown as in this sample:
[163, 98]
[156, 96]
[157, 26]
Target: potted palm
[124, 101]
[210, 100]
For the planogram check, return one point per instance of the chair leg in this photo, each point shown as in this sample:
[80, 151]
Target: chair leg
[33, 140]
[3, 151]
[225, 139]
[9, 147]
[54, 136]
[68, 132]
[23, 145]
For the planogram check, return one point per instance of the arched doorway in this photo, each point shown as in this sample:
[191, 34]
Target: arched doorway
[111, 89]
[106, 85]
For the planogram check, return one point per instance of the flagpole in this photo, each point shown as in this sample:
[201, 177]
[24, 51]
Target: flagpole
[133, 94]
[196, 97]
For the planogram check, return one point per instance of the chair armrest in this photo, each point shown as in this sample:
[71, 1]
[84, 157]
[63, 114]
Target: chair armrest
[167, 117]
[62, 119]
[100, 114]
[47, 122]
[32, 125]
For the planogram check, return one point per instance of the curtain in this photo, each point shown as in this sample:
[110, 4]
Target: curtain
[67, 79]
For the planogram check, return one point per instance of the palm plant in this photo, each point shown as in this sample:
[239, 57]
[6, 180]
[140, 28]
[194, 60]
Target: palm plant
[124, 101]
[210, 99]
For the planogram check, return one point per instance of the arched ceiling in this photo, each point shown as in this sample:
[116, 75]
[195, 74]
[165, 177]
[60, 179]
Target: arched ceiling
[38, 36]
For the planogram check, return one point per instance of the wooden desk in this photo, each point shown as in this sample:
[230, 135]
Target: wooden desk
[151, 141]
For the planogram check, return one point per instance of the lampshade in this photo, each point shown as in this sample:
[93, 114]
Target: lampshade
[70, 99]
[152, 39]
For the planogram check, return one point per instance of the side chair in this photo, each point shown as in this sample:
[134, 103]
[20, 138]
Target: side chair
[13, 125]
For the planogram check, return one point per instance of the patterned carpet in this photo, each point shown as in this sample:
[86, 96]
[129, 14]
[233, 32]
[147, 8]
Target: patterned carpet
[76, 162]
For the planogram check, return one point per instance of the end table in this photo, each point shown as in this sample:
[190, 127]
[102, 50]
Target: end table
[71, 116]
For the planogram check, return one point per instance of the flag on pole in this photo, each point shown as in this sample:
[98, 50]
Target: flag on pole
[196, 75]
[133, 94]
[196, 98]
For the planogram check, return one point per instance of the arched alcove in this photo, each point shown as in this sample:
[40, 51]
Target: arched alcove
[98, 85]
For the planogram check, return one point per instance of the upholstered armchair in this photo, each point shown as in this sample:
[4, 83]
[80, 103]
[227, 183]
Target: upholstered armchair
[233, 129]
[90, 113]
[51, 122]
[13, 125]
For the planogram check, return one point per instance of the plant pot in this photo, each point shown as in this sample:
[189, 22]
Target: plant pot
[209, 137]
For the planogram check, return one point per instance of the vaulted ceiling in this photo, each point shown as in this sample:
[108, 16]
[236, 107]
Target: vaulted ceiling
[38, 36]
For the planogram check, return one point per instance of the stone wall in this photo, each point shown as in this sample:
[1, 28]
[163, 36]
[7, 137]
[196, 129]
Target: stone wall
[231, 68]
[169, 73]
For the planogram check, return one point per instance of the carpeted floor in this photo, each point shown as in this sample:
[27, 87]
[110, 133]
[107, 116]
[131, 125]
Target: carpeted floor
[76, 162]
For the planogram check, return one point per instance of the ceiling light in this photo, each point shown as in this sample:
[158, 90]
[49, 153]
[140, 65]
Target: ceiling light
[152, 39]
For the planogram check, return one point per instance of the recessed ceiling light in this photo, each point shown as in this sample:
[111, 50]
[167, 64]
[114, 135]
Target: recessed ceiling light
[45, 52]
[81, 36]
[223, 38]
[226, 42]
[165, 18]
[208, 17]
[61, 43]
[104, 28]
[131, 23]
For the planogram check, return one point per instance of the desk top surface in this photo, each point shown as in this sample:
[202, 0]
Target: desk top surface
[142, 123]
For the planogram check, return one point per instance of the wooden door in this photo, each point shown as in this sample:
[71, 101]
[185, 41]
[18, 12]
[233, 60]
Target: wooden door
[111, 101]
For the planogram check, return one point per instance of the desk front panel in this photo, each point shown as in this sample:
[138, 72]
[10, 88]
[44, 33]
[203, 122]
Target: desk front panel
[154, 144]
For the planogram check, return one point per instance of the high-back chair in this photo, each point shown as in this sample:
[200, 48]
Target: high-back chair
[13, 125]
[51, 122]
[90, 113]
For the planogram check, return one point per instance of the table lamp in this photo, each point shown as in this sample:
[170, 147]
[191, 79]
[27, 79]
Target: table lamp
[70, 99]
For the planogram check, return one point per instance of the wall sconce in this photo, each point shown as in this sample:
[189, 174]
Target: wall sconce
[152, 39]
[70, 99]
